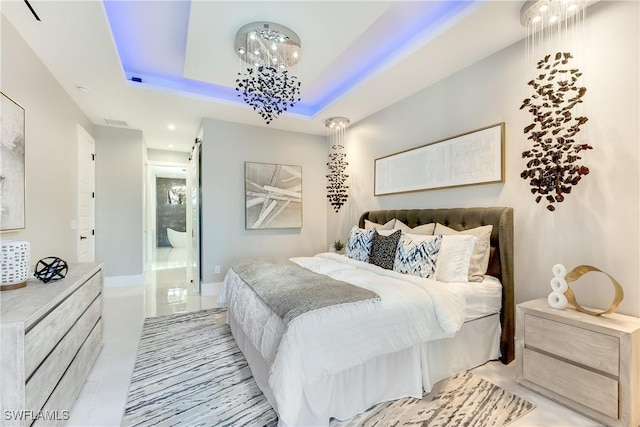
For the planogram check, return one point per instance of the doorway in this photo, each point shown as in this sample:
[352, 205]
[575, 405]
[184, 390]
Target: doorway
[169, 237]
[86, 197]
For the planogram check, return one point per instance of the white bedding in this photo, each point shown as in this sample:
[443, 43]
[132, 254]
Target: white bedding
[327, 341]
[483, 298]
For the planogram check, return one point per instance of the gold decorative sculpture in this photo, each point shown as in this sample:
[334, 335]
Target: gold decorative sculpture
[580, 271]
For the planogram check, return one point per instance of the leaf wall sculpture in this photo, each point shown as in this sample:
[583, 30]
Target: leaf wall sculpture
[551, 168]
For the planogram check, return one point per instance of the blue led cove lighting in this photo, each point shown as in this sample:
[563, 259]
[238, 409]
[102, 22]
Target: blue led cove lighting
[424, 19]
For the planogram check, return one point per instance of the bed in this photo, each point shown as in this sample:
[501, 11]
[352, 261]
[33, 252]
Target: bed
[337, 361]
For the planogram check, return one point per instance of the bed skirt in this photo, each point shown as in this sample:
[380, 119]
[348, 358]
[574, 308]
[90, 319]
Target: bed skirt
[388, 377]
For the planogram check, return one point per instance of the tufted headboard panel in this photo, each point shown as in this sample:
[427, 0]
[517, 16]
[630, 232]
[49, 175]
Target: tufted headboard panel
[500, 261]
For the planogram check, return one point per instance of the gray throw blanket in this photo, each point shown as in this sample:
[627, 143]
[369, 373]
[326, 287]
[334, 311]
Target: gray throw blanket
[290, 290]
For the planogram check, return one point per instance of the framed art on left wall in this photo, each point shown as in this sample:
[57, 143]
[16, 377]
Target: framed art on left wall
[12, 165]
[273, 196]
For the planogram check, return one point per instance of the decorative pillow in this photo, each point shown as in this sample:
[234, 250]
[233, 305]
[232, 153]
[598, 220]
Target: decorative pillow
[386, 226]
[481, 251]
[454, 258]
[359, 243]
[425, 229]
[383, 249]
[417, 258]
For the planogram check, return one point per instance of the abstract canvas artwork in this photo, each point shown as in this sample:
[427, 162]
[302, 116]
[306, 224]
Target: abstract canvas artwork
[471, 158]
[12, 166]
[273, 196]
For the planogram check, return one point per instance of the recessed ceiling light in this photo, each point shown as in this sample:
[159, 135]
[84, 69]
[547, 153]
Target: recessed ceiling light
[170, 145]
[83, 89]
[171, 127]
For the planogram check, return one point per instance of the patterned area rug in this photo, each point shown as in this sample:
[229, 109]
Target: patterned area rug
[190, 372]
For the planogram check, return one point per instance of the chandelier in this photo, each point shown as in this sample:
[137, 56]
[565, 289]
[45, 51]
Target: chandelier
[554, 48]
[553, 25]
[337, 165]
[267, 51]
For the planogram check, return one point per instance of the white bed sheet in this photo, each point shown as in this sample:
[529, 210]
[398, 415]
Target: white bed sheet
[482, 298]
[304, 360]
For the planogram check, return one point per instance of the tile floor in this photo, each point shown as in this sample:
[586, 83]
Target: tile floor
[165, 291]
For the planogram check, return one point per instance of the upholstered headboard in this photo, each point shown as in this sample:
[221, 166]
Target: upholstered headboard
[500, 261]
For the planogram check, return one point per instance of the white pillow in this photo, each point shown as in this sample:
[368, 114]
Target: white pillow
[386, 226]
[481, 251]
[454, 258]
[426, 229]
[418, 237]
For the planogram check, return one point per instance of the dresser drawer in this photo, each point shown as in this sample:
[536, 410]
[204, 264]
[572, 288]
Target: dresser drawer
[585, 387]
[71, 383]
[50, 335]
[46, 377]
[588, 348]
[43, 337]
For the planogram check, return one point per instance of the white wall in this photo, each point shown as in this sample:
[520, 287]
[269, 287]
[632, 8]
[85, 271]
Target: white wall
[225, 148]
[51, 117]
[120, 157]
[167, 156]
[598, 224]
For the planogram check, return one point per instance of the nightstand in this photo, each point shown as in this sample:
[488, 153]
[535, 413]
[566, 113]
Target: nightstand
[587, 363]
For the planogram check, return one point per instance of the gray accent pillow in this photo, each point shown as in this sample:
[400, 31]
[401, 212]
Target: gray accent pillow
[383, 249]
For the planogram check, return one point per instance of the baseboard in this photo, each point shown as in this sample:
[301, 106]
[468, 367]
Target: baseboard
[210, 289]
[123, 281]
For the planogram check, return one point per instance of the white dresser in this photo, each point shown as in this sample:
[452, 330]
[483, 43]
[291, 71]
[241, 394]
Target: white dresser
[50, 336]
[590, 364]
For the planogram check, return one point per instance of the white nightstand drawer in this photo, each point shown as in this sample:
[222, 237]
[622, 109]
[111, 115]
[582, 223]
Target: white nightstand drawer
[580, 385]
[591, 364]
[588, 348]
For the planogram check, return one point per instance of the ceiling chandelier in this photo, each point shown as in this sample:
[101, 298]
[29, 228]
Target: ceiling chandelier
[553, 25]
[555, 48]
[267, 51]
[337, 165]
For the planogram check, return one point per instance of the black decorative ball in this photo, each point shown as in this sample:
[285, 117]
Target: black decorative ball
[51, 268]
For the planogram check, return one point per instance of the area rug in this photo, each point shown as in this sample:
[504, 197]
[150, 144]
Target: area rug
[190, 372]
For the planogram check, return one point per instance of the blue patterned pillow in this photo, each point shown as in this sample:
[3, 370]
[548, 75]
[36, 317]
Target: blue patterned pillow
[417, 258]
[359, 244]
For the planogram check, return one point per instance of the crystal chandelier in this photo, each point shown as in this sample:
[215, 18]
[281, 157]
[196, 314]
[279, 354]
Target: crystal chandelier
[552, 25]
[267, 51]
[337, 165]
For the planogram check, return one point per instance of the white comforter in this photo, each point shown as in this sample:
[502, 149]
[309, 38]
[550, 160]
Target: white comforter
[332, 339]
